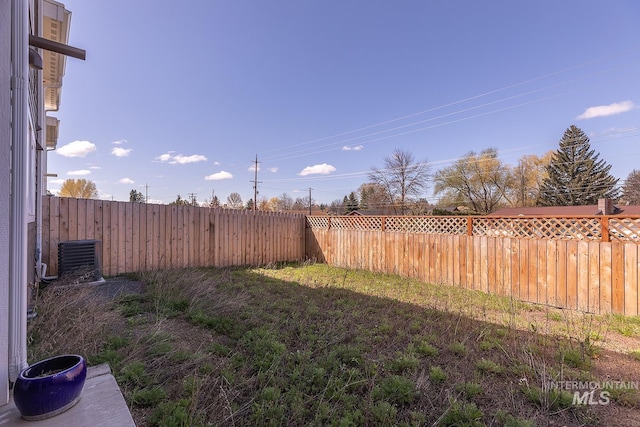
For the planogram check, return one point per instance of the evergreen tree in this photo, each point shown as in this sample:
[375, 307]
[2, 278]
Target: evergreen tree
[179, 201]
[350, 203]
[136, 196]
[631, 188]
[575, 174]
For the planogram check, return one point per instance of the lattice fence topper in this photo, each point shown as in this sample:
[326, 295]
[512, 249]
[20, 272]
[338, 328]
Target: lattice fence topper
[557, 228]
[430, 225]
[318, 222]
[539, 228]
[624, 229]
[357, 222]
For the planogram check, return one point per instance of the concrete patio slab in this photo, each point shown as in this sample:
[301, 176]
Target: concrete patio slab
[101, 404]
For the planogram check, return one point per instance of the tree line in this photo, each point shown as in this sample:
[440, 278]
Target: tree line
[476, 183]
[480, 183]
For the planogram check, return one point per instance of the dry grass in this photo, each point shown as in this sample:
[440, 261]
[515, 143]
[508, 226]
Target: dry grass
[315, 345]
[73, 319]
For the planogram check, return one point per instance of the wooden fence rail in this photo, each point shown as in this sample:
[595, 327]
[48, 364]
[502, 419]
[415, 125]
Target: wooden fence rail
[137, 236]
[569, 272]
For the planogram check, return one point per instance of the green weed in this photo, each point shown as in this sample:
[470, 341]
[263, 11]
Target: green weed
[134, 374]
[396, 389]
[505, 419]
[549, 400]
[458, 348]
[488, 366]
[426, 349]
[402, 363]
[469, 390]
[462, 414]
[149, 396]
[437, 374]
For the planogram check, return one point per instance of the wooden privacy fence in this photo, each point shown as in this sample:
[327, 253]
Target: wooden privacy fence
[558, 261]
[137, 236]
[584, 263]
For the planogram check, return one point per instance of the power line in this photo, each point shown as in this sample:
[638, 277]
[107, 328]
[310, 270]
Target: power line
[287, 155]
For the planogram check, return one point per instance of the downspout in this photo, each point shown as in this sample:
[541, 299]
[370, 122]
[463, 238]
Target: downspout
[41, 166]
[19, 151]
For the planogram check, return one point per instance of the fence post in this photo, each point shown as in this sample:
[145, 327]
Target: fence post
[469, 225]
[329, 223]
[604, 228]
[384, 223]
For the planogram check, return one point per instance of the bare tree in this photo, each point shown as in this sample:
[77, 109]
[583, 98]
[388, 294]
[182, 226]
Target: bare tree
[300, 204]
[79, 188]
[234, 201]
[336, 207]
[402, 178]
[285, 202]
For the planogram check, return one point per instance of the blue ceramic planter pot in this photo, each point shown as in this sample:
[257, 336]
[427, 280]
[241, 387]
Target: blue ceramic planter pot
[50, 387]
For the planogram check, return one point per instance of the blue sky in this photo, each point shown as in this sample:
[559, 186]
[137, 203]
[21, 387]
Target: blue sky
[182, 96]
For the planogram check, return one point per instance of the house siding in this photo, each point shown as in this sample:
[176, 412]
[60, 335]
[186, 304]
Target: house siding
[5, 185]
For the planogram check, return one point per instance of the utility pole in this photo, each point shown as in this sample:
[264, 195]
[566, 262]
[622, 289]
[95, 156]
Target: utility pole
[310, 200]
[255, 184]
[146, 193]
[192, 196]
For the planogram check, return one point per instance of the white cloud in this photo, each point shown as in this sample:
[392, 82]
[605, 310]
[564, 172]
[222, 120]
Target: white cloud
[126, 181]
[216, 163]
[274, 169]
[218, 176]
[189, 159]
[79, 172]
[55, 181]
[120, 152]
[76, 149]
[352, 148]
[164, 157]
[323, 169]
[122, 141]
[180, 159]
[252, 168]
[95, 167]
[607, 110]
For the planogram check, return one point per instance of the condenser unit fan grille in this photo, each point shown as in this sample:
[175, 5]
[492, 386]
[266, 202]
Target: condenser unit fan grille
[81, 257]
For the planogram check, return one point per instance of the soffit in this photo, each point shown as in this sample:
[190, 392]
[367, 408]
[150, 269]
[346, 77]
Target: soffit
[55, 26]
